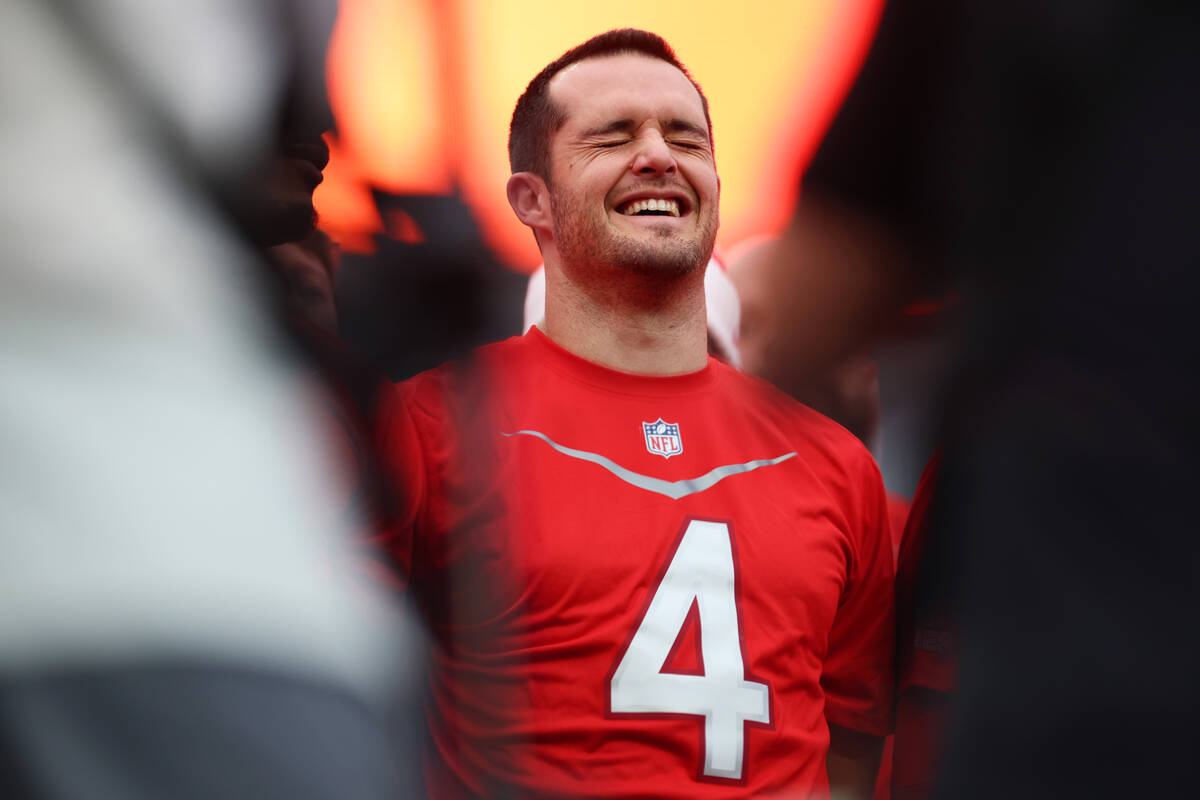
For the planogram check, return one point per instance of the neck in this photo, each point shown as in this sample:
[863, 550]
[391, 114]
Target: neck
[647, 325]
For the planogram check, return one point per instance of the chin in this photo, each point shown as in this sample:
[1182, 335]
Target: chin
[656, 252]
[300, 221]
[664, 264]
[289, 223]
[669, 258]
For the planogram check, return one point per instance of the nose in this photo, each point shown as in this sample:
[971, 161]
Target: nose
[653, 156]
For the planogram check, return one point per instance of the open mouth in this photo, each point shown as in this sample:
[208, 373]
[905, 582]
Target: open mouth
[652, 207]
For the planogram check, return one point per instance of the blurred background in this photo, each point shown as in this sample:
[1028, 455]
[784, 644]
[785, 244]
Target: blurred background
[422, 92]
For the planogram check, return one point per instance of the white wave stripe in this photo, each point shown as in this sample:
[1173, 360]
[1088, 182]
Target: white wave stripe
[671, 489]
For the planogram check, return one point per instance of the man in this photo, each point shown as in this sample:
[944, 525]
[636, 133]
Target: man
[645, 573]
[180, 611]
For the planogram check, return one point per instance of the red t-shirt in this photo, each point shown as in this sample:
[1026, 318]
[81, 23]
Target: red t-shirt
[637, 586]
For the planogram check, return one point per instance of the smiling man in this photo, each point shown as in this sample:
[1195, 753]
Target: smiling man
[646, 574]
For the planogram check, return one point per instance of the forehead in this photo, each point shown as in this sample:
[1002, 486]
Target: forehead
[627, 85]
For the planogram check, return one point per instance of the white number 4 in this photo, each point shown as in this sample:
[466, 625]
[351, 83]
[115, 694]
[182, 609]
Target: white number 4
[701, 570]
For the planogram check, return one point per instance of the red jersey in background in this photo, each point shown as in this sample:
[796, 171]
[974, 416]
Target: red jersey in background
[926, 658]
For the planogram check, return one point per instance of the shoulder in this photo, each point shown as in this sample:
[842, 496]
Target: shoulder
[430, 392]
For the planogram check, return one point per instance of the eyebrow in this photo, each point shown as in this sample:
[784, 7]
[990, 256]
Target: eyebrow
[616, 126]
[683, 126]
[628, 125]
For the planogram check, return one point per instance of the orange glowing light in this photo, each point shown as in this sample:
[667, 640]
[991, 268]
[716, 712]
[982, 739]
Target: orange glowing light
[422, 91]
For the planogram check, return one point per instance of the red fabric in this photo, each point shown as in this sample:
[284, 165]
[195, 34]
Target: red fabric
[898, 507]
[883, 782]
[534, 569]
[925, 655]
[926, 659]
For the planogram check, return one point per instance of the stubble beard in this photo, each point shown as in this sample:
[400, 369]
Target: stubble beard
[585, 240]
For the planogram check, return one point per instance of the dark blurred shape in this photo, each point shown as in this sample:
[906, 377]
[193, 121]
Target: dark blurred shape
[274, 200]
[893, 423]
[415, 304]
[1043, 156]
[281, 207]
[927, 641]
[846, 392]
[309, 268]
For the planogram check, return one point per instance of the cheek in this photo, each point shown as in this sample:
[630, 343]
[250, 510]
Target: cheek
[706, 183]
[583, 178]
[589, 166]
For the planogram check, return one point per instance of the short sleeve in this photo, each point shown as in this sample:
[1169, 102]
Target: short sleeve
[405, 464]
[858, 671]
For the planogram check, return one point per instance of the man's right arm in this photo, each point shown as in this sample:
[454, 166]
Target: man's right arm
[403, 461]
[857, 676]
[852, 763]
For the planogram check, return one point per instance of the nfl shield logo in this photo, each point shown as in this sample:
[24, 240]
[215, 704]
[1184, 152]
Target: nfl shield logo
[662, 438]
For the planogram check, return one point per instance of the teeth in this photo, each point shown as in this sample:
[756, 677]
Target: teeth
[653, 204]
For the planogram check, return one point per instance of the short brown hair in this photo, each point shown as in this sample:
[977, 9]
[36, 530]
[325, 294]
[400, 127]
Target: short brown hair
[536, 117]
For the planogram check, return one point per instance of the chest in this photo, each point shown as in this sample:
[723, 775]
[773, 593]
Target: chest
[584, 515]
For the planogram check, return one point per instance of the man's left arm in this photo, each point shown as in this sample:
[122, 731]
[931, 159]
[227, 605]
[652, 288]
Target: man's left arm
[852, 763]
[858, 672]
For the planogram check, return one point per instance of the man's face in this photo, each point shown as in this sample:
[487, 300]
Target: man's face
[283, 205]
[633, 183]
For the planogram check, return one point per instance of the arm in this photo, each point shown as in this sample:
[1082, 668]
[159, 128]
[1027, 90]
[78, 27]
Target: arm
[403, 463]
[857, 676]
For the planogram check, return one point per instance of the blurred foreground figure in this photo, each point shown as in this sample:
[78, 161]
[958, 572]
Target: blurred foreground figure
[1044, 156]
[180, 613]
[309, 268]
[846, 391]
[647, 574]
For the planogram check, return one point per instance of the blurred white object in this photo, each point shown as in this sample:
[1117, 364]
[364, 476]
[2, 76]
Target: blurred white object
[164, 492]
[720, 298]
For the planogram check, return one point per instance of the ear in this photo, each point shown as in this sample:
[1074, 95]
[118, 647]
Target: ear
[530, 200]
